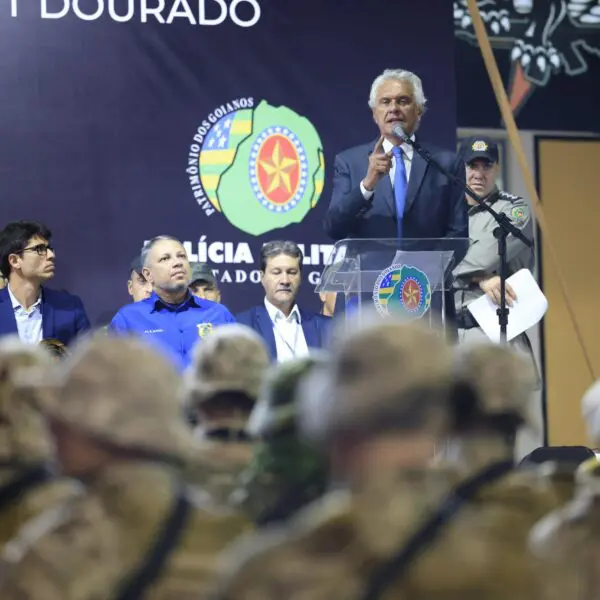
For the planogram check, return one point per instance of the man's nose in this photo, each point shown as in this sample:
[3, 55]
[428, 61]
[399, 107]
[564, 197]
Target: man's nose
[50, 254]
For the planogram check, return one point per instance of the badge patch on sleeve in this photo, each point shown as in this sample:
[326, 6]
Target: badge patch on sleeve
[204, 329]
[519, 215]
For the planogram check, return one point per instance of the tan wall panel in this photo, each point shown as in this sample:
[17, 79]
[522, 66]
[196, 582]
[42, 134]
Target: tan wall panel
[568, 174]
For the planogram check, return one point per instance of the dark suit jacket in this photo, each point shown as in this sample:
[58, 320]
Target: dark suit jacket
[63, 315]
[315, 327]
[435, 207]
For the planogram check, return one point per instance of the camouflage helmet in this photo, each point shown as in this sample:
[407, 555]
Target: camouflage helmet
[276, 409]
[122, 391]
[233, 358]
[502, 378]
[23, 434]
[384, 374]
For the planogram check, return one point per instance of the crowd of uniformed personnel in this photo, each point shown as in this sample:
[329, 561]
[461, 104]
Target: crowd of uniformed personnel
[381, 469]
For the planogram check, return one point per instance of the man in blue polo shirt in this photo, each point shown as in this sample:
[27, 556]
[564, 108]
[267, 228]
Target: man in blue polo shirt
[172, 318]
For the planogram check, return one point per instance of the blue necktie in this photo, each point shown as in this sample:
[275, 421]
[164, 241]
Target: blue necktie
[399, 186]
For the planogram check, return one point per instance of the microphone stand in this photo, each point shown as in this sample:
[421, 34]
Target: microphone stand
[504, 229]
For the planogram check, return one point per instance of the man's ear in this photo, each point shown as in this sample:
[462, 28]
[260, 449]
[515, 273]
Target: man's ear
[13, 260]
[147, 275]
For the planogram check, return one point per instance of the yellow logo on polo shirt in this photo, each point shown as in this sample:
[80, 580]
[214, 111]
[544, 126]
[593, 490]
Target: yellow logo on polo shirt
[204, 329]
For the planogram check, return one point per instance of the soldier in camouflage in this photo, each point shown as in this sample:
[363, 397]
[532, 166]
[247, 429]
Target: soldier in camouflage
[139, 531]
[285, 473]
[222, 386]
[375, 411]
[405, 529]
[482, 550]
[28, 483]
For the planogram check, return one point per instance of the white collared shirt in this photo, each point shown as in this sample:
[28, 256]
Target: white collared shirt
[408, 153]
[289, 335]
[29, 322]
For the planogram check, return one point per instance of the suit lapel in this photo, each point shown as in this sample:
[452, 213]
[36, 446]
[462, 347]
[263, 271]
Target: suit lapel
[265, 326]
[417, 173]
[311, 335]
[47, 318]
[8, 323]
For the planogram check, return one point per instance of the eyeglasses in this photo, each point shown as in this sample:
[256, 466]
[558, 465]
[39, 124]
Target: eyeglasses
[41, 249]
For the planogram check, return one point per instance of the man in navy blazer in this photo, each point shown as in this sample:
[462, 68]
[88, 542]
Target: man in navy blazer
[364, 203]
[385, 189]
[288, 330]
[34, 312]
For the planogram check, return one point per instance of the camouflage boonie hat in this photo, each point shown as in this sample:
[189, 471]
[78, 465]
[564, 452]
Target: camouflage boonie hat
[502, 378]
[276, 409]
[233, 358]
[122, 391]
[23, 434]
[385, 373]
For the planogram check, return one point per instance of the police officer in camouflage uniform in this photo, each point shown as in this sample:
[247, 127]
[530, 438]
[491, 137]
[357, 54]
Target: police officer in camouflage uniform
[376, 412]
[398, 534]
[138, 532]
[479, 272]
[28, 482]
[222, 386]
[482, 550]
[286, 473]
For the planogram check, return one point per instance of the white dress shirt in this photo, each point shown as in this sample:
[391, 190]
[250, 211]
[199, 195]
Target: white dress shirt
[407, 156]
[289, 335]
[29, 322]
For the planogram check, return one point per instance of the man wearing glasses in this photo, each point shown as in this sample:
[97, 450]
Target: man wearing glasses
[35, 313]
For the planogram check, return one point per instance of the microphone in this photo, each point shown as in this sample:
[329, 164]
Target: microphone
[399, 132]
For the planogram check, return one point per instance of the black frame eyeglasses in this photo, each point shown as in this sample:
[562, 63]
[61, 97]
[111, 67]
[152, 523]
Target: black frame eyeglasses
[41, 249]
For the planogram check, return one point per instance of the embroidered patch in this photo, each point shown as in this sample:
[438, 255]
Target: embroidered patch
[204, 329]
[479, 146]
[519, 215]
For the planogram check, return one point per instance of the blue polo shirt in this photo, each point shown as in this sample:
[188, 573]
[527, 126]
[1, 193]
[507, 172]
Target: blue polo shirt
[174, 329]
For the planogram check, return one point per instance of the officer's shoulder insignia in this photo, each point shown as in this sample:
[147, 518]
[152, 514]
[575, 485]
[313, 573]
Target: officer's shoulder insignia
[509, 197]
[204, 329]
[519, 214]
[479, 146]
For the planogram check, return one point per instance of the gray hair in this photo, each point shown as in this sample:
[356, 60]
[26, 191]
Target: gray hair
[399, 75]
[150, 244]
[271, 249]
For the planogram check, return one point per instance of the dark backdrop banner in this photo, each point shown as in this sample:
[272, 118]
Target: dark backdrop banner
[548, 53]
[215, 121]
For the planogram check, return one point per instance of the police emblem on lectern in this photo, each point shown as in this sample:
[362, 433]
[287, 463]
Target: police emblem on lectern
[402, 291]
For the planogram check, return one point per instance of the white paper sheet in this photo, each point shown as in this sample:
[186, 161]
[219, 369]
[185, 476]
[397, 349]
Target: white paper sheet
[531, 305]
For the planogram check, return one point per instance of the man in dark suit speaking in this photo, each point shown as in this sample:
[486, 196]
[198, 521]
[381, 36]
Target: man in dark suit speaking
[384, 189]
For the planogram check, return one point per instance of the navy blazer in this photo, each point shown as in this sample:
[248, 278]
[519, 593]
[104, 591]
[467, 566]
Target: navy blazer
[435, 206]
[63, 315]
[314, 326]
